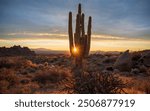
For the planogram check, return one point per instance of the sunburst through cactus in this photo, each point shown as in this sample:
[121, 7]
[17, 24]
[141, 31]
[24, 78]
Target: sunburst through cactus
[79, 41]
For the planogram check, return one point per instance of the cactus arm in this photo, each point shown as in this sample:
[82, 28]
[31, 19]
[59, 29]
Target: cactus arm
[77, 36]
[79, 9]
[89, 26]
[89, 35]
[82, 24]
[85, 46]
[70, 33]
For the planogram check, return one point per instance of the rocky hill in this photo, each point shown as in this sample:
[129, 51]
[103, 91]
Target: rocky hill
[16, 51]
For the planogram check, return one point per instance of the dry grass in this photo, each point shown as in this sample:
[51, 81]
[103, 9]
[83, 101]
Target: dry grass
[6, 63]
[53, 75]
[142, 84]
[20, 75]
[137, 85]
[7, 79]
[15, 63]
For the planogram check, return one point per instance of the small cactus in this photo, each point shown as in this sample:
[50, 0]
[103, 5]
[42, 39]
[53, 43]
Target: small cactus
[79, 42]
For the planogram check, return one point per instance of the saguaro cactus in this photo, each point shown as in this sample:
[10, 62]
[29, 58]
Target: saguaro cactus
[79, 42]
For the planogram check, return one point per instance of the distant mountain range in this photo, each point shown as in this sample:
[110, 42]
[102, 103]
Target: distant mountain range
[48, 51]
[25, 51]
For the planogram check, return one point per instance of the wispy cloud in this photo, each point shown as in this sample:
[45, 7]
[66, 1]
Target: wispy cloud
[36, 34]
[111, 17]
[40, 36]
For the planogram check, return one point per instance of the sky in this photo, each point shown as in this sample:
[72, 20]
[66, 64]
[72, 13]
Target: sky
[116, 24]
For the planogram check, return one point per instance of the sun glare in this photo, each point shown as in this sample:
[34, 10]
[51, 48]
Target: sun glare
[75, 50]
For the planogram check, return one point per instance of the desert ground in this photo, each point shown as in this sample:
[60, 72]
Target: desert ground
[102, 73]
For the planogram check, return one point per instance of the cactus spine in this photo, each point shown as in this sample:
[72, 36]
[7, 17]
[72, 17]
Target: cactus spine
[79, 42]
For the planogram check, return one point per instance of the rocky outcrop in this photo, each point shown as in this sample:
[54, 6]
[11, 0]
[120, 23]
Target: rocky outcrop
[16, 51]
[124, 62]
[145, 59]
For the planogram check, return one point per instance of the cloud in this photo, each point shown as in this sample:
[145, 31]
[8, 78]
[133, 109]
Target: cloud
[111, 19]
[59, 36]
[57, 44]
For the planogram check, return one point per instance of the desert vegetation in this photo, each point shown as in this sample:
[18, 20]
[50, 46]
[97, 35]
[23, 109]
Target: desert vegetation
[55, 74]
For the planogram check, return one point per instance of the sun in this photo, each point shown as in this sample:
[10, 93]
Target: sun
[75, 50]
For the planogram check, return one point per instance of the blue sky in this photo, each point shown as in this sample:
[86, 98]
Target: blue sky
[39, 19]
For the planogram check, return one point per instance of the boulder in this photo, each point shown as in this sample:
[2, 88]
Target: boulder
[116, 71]
[124, 62]
[146, 59]
[109, 68]
[148, 72]
[143, 68]
[135, 71]
[25, 81]
[110, 59]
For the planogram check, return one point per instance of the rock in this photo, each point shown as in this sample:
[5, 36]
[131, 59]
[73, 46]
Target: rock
[136, 56]
[148, 72]
[135, 59]
[105, 59]
[46, 64]
[109, 68]
[40, 66]
[105, 71]
[116, 71]
[16, 51]
[146, 59]
[124, 62]
[142, 68]
[25, 81]
[125, 73]
[52, 66]
[135, 71]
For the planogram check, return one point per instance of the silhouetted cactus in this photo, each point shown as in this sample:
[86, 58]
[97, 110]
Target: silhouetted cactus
[79, 41]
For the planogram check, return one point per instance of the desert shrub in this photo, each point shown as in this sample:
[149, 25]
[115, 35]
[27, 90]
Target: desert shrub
[28, 63]
[28, 89]
[143, 85]
[9, 75]
[139, 85]
[147, 88]
[21, 90]
[95, 83]
[25, 90]
[8, 79]
[4, 86]
[52, 75]
[15, 62]
[6, 63]
[111, 59]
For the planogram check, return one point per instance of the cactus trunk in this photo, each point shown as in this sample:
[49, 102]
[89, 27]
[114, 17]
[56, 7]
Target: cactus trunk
[79, 42]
